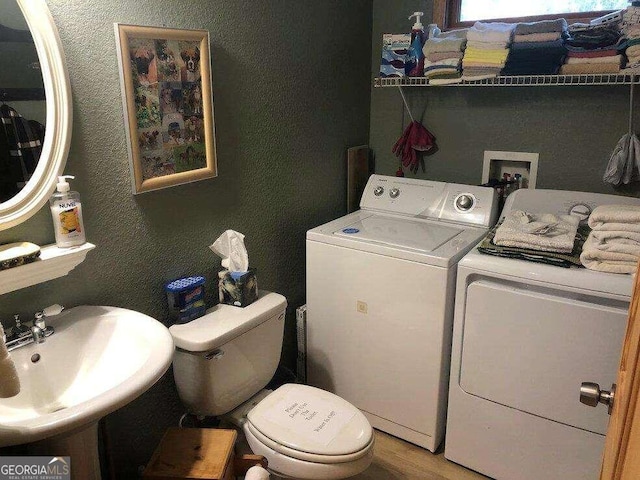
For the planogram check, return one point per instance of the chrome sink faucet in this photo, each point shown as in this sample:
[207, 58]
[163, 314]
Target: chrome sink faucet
[37, 333]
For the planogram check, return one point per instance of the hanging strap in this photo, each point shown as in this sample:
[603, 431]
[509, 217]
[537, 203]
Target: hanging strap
[405, 103]
[630, 108]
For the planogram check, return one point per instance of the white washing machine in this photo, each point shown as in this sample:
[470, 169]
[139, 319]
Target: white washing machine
[526, 335]
[380, 290]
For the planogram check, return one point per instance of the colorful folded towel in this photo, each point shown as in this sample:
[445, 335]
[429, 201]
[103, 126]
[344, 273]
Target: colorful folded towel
[603, 52]
[443, 80]
[443, 44]
[595, 38]
[487, 45]
[474, 74]
[587, 68]
[437, 56]
[531, 68]
[540, 49]
[452, 62]
[497, 32]
[437, 70]
[576, 61]
[543, 26]
[458, 33]
[537, 37]
[477, 55]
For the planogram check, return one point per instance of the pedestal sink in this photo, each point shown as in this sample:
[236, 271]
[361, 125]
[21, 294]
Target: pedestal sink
[98, 360]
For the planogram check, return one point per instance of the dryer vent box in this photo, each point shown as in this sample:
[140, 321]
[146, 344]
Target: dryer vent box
[301, 333]
[496, 164]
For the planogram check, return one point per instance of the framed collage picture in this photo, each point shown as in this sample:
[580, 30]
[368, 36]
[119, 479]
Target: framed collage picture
[165, 76]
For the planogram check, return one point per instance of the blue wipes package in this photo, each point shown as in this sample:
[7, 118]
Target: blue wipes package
[185, 297]
[394, 54]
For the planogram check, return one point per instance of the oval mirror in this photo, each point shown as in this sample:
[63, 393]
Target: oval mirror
[36, 174]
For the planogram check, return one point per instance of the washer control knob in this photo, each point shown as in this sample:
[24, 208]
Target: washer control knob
[378, 191]
[394, 192]
[464, 202]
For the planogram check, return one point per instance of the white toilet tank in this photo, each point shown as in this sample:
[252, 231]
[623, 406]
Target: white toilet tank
[225, 357]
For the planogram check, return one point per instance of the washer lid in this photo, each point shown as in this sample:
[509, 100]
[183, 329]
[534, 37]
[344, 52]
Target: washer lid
[400, 232]
[311, 420]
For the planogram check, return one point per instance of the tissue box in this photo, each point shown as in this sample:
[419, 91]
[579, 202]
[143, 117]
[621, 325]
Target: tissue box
[186, 298]
[238, 288]
[394, 53]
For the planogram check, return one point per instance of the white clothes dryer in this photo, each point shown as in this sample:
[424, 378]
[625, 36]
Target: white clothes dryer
[380, 290]
[526, 335]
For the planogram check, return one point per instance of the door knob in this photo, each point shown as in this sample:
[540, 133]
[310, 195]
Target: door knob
[591, 395]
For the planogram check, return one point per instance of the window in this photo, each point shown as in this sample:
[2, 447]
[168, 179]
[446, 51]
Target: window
[461, 13]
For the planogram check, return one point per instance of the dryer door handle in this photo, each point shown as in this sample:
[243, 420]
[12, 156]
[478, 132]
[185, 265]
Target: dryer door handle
[591, 395]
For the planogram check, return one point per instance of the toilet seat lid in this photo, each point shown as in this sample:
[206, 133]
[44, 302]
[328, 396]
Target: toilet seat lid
[311, 420]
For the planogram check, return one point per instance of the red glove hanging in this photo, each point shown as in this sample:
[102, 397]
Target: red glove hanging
[415, 138]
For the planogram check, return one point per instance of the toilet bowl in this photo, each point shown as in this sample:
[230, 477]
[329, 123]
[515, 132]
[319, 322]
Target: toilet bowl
[221, 365]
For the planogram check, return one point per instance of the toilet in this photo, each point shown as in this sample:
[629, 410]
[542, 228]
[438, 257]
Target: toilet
[221, 365]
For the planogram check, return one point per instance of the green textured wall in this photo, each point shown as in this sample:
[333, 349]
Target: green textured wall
[291, 83]
[574, 129]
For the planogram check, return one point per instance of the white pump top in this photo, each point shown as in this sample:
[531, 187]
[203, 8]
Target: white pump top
[418, 25]
[63, 185]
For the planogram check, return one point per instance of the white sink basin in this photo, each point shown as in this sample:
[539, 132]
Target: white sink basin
[98, 359]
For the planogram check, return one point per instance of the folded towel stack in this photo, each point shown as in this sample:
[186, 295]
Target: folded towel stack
[487, 50]
[631, 46]
[443, 57]
[592, 49]
[538, 231]
[537, 49]
[614, 242]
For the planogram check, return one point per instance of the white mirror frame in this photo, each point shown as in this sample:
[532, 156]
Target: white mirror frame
[58, 120]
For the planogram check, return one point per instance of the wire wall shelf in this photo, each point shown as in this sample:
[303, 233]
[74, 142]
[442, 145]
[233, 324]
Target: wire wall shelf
[516, 81]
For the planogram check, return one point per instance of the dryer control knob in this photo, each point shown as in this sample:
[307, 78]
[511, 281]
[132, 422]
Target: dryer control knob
[378, 191]
[581, 211]
[464, 202]
[394, 192]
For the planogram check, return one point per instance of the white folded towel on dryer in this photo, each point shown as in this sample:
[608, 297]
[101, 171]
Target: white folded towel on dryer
[603, 254]
[614, 243]
[628, 215]
[607, 237]
[538, 231]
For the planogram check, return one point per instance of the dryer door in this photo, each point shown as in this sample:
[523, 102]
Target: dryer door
[531, 349]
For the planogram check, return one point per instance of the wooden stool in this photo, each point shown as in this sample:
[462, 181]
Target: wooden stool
[198, 454]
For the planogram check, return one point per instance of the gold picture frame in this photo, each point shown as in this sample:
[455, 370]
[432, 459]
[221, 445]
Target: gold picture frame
[165, 78]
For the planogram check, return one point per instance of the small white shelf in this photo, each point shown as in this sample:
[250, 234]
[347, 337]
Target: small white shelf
[517, 81]
[54, 262]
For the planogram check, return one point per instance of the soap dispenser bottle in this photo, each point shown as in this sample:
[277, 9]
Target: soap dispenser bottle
[415, 57]
[66, 210]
